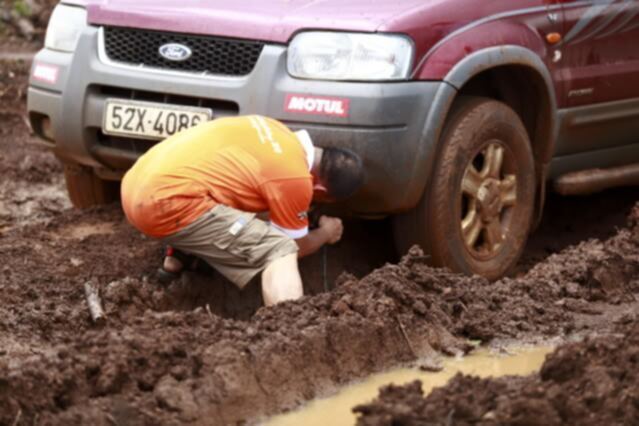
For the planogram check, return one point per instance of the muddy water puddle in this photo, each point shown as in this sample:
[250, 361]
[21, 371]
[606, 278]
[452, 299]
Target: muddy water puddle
[336, 410]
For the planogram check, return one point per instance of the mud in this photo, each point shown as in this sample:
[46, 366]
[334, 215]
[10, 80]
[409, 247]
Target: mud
[594, 382]
[23, 23]
[482, 362]
[163, 357]
[202, 352]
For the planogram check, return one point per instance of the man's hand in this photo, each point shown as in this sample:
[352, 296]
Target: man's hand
[329, 231]
[332, 227]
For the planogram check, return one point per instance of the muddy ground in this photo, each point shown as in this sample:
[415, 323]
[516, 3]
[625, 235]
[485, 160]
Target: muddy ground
[201, 352]
[23, 23]
[594, 382]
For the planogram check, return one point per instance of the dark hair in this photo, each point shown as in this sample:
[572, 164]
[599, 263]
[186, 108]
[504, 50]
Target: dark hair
[341, 172]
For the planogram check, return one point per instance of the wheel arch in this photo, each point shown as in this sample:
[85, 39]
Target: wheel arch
[504, 67]
[518, 77]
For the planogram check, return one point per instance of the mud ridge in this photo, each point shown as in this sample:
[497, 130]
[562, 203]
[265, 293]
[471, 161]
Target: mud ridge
[156, 363]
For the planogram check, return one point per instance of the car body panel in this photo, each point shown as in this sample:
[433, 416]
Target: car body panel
[600, 56]
[428, 23]
[598, 79]
[268, 20]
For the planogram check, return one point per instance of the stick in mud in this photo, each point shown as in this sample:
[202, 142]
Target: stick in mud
[408, 343]
[95, 305]
[208, 311]
[17, 419]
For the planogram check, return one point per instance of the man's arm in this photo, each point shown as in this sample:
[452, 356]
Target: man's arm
[288, 201]
[329, 232]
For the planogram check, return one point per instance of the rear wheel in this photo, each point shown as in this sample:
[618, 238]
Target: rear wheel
[86, 189]
[476, 213]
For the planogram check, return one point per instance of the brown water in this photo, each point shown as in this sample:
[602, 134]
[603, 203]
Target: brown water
[482, 363]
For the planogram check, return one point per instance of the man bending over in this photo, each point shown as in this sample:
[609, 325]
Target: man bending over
[199, 191]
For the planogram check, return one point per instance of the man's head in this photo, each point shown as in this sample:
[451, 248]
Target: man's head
[339, 172]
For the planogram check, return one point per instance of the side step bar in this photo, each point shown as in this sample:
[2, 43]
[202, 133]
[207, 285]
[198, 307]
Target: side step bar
[595, 180]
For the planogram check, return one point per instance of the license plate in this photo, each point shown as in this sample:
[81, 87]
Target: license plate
[150, 120]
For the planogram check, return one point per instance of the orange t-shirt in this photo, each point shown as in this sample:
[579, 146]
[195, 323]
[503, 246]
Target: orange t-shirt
[251, 163]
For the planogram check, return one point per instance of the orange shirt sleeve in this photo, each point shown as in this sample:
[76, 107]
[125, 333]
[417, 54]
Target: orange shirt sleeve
[289, 201]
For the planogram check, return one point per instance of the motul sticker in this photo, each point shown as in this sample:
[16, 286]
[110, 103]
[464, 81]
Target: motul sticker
[46, 73]
[317, 105]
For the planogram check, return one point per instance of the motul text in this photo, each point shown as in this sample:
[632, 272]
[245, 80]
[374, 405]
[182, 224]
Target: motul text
[318, 105]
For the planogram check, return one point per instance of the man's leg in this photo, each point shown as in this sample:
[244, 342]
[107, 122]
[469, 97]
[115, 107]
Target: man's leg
[239, 247]
[281, 280]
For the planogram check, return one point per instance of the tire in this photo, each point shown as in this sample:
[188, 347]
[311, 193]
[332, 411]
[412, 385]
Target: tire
[476, 214]
[85, 189]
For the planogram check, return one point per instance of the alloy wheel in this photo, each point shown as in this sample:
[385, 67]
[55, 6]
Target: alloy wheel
[489, 194]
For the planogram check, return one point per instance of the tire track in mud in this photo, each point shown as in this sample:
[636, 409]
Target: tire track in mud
[17, 56]
[31, 188]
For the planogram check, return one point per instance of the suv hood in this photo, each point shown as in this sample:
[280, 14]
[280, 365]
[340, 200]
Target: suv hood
[268, 20]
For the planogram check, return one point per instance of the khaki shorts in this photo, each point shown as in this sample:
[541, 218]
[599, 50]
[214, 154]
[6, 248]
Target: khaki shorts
[235, 243]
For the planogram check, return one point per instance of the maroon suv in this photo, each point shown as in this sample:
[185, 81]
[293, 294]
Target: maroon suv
[463, 110]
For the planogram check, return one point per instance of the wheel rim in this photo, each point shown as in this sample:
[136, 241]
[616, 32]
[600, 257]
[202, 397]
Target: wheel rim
[489, 195]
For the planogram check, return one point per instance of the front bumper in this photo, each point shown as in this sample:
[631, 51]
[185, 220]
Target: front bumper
[386, 124]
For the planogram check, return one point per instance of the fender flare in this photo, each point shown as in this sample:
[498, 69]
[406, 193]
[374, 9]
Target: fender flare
[493, 57]
[464, 71]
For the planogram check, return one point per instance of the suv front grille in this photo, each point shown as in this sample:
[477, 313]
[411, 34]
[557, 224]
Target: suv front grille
[210, 55]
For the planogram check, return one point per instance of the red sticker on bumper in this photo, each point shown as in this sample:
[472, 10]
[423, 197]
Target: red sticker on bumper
[46, 73]
[317, 105]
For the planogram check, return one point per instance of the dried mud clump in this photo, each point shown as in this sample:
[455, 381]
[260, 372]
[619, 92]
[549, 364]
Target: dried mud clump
[594, 382]
[177, 366]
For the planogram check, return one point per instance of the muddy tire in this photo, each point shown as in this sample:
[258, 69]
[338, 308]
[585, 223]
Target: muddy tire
[85, 189]
[476, 213]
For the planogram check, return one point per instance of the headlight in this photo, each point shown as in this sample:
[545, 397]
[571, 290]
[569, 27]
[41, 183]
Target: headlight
[348, 56]
[65, 26]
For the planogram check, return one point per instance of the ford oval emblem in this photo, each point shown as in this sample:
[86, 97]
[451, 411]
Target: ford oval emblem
[175, 52]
